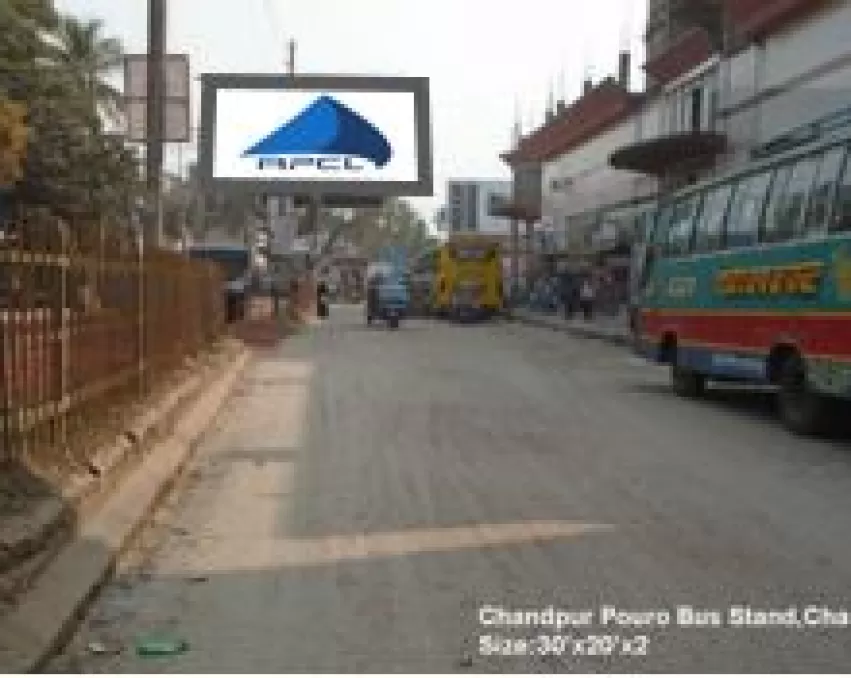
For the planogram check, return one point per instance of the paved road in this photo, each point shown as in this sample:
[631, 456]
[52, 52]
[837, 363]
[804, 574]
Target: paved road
[367, 493]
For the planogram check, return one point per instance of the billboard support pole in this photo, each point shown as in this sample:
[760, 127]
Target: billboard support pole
[289, 201]
[283, 207]
[314, 223]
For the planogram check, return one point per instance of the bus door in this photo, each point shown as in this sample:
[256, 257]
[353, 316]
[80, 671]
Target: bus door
[641, 265]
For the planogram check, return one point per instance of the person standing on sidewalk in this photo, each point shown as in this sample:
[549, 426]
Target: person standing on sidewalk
[275, 291]
[566, 294]
[587, 295]
[322, 299]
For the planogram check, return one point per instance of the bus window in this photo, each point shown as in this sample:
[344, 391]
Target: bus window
[790, 205]
[823, 192]
[710, 226]
[643, 227]
[471, 254]
[841, 220]
[776, 204]
[746, 210]
[659, 234]
[681, 230]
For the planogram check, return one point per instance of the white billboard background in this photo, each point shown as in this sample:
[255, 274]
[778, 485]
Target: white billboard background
[245, 116]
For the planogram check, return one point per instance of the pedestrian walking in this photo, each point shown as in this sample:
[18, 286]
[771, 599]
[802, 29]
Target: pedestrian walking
[275, 290]
[565, 290]
[322, 299]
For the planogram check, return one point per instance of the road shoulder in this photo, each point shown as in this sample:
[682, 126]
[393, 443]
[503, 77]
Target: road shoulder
[43, 618]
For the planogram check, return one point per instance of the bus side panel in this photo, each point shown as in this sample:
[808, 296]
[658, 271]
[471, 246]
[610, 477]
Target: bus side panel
[492, 274]
[447, 275]
[726, 312]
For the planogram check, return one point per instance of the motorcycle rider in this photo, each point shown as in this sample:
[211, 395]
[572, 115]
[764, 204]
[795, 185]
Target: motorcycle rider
[372, 292]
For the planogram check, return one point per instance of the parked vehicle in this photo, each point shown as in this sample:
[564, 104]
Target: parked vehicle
[748, 278]
[235, 261]
[387, 300]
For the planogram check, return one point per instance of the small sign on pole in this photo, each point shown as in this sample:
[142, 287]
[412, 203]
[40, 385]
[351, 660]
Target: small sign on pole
[178, 126]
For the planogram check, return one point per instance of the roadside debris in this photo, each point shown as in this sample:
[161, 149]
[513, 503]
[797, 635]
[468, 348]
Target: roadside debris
[161, 646]
[99, 648]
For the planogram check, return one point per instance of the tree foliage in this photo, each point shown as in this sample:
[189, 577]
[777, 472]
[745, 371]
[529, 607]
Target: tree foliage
[395, 223]
[14, 135]
[53, 65]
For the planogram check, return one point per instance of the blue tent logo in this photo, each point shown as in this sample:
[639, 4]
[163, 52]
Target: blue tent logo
[326, 127]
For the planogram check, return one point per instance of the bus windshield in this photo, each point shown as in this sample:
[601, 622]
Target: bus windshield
[469, 253]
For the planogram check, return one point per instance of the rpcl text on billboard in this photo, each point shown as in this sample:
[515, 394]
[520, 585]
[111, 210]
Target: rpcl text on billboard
[321, 163]
[327, 136]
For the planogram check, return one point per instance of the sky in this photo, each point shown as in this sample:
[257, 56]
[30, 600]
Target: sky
[488, 61]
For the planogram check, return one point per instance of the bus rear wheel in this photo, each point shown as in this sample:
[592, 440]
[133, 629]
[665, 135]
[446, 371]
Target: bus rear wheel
[687, 383]
[801, 410]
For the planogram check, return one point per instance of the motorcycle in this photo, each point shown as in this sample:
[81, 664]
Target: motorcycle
[390, 306]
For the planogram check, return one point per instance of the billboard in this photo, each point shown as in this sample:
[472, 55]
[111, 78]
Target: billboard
[317, 135]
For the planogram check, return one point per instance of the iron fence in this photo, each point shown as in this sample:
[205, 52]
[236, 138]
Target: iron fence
[89, 326]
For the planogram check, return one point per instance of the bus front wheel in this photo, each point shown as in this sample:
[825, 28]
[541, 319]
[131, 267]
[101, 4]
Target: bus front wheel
[687, 383]
[801, 410]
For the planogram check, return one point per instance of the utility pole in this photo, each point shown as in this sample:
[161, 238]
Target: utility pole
[283, 207]
[289, 202]
[157, 12]
[291, 60]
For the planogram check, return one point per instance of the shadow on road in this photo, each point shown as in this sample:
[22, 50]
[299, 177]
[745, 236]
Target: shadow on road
[758, 403]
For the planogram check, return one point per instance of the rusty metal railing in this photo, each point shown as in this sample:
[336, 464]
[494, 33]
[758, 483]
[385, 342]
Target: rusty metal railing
[88, 328]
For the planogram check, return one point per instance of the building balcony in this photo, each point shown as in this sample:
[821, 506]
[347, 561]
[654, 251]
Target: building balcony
[681, 151]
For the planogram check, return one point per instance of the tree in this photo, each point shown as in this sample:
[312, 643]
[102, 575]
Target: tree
[25, 25]
[87, 55]
[14, 135]
[55, 64]
[394, 223]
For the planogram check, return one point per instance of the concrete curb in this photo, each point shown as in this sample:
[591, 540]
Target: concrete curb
[587, 332]
[46, 616]
[30, 536]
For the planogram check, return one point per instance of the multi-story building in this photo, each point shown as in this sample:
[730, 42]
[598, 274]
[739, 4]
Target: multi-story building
[578, 179]
[473, 203]
[727, 80]
[778, 66]
[441, 219]
[676, 24]
[787, 69]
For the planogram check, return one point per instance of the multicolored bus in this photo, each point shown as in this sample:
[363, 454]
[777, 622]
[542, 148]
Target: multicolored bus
[748, 278]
